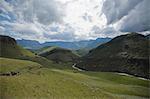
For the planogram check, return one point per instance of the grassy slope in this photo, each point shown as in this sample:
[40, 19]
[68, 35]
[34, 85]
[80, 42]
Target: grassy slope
[7, 65]
[45, 49]
[58, 55]
[14, 51]
[126, 53]
[67, 83]
[79, 52]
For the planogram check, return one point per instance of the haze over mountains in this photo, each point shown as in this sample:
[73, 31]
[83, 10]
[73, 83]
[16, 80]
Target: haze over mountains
[89, 44]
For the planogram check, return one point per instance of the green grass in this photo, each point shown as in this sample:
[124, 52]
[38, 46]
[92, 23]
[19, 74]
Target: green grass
[7, 65]
[121, 79]
[45, 49]
[81, 52]
[58, 83]
[17, 52]
[58, 55]
[14, 51]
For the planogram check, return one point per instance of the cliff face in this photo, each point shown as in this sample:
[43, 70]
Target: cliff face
[10, 49]
[7, 40]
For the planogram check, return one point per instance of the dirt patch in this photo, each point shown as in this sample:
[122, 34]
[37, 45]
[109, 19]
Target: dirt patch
[9, 74]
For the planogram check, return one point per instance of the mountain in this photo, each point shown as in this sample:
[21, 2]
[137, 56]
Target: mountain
[30, 79]
[31, 44]
[45, 49]
[92, 44]
[9, 48]
[67, 45]
[148, 36]
[81, 52]
[95, 43]
[126, 53]
[59, 54]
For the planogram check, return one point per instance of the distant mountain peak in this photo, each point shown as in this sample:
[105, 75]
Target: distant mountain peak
[32, 44]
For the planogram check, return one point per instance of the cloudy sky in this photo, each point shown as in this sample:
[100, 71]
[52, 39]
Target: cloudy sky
[71, 20]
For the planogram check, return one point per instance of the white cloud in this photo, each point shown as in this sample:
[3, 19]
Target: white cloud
[22, 30]
[45, 11]
[41, 18]
[5, 6]
[48, 20]
[82, 15]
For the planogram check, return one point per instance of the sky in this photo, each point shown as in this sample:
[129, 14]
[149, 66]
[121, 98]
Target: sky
[73, 20]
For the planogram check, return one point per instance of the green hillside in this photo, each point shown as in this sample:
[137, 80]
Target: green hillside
[126, 53]
[81, 52]
[45, 49]
[58, 55]
[52, 83]
[10, 49]
[14, 65]
[14, 51]
[30, 76]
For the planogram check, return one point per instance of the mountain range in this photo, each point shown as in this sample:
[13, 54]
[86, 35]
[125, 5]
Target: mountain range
[125, 54]
[89, 44]
[108, 71]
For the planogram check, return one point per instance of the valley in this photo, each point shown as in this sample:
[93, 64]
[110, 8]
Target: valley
[57, 73]
[56, 83]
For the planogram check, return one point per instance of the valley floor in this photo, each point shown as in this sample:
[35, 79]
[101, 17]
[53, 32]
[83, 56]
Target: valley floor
[35, 82]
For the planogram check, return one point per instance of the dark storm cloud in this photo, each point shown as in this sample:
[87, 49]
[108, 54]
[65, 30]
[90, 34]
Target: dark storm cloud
[129, 15]
[116, 9]
[138, 19]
